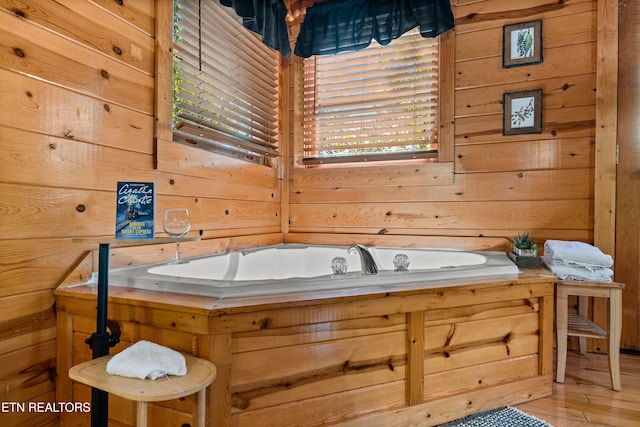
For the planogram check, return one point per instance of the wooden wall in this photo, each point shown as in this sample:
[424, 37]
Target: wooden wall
[77, 93]
[502, 185]
[628, 190]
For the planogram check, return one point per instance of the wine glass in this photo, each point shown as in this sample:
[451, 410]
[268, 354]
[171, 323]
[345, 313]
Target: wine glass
[176, 223]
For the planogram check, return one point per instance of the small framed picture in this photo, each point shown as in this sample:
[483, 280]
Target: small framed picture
[522, 112]
[522, 44]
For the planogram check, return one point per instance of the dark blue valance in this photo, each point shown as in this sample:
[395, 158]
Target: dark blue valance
[338, 25]
[267, 18]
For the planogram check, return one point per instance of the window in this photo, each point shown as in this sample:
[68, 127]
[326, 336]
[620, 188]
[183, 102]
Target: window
[378, 104]
[226, 94]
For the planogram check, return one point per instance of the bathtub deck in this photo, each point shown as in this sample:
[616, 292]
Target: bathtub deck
[418, 355]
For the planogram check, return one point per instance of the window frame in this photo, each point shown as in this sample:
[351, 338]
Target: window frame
[166, 144]
[446, 114]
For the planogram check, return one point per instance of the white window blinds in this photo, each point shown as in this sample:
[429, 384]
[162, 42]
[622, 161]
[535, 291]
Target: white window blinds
[380, 103]
[226, 95]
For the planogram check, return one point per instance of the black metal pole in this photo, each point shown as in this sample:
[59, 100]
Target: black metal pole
[99, 341]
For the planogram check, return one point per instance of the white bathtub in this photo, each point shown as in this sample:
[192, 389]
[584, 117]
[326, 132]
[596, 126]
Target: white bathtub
[291, 268]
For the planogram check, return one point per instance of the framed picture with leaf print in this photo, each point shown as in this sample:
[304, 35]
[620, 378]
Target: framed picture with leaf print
[522, 44]
[522, 112]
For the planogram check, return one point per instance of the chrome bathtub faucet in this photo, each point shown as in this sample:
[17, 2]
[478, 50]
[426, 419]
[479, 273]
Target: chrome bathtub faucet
[367, 263]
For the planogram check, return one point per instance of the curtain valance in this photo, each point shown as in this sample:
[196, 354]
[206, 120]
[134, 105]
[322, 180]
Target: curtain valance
[267, 18]
[338, 25]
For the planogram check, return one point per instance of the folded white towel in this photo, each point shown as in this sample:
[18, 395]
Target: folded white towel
[591, 267]
[576, 252]
[145, 359]
[567, 272]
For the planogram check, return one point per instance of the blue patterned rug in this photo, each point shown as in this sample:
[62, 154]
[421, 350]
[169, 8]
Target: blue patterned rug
[503, 417]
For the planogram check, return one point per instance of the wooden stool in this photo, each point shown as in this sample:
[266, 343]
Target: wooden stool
[570, 324]
[200, 373]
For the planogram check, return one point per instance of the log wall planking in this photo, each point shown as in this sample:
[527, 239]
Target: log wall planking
[77, 115]
[500, 184]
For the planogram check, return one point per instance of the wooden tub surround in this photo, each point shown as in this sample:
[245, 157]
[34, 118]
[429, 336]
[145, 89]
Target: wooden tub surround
[421, 356]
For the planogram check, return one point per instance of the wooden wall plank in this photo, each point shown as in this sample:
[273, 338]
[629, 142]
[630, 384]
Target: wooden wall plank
[558, 62]
[463, 238]
[102, 167]
[570, 214]
[465, 379]
[558, 123]
[560, 92]
[336, 330]
[88, 25]
[18, 306]
[525, 182]
[39, 107]
[606, 137]
[139, 14]
[606, 128]
[418, 174]
[269, 377]
[44, 211]
[628, 184]
[473, 15]
[37, 52]
[563, 30]
[554, 154]
[181, 159]
[415, 341]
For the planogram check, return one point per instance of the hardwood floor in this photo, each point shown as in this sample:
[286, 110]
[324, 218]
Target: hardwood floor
[586, 399]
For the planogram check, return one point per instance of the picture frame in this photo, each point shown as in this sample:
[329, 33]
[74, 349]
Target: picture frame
[522, 44]
[522, 112]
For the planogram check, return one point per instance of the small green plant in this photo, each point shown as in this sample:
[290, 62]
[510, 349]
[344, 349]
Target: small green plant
[523, 241]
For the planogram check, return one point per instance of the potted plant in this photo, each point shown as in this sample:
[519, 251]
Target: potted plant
[525, 252]
[524, 245]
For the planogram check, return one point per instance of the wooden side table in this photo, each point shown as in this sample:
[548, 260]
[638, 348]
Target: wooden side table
[570, 324]
[100, 341]
[200, 374]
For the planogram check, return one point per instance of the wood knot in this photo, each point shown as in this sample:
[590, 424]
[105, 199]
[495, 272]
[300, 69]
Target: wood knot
[263, 324]
[105, 74]
[81, 208]
[20, 13]
[19, 52]
[117, 50]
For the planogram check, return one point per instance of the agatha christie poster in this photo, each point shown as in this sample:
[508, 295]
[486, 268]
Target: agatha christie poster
[135, 210]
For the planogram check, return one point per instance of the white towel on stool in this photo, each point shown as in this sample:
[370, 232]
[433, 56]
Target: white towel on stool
[578, 253]
[576, 272]
[145, 359]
